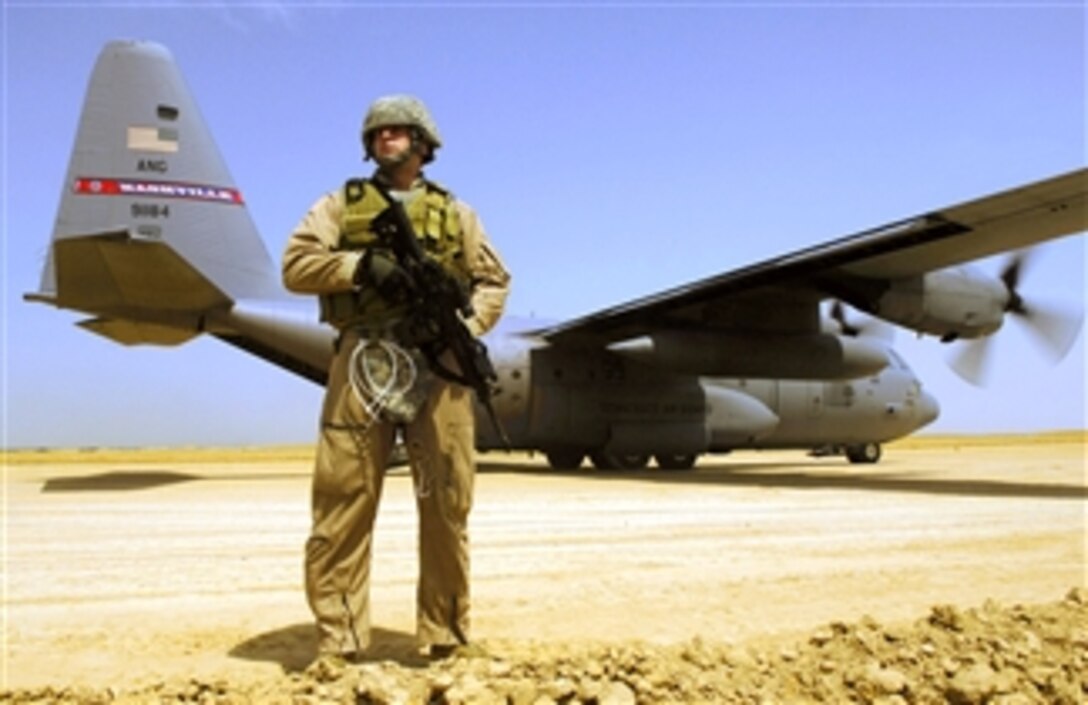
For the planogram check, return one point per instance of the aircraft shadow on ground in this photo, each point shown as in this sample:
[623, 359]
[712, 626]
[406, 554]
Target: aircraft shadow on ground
[142, 479]
[117, 480]
[797, 476]
[295, 647]
[765, 475]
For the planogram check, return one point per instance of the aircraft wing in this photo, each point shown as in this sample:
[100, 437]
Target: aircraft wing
[782, 295]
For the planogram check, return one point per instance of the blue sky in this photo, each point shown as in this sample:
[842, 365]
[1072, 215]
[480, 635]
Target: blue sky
[611, 150]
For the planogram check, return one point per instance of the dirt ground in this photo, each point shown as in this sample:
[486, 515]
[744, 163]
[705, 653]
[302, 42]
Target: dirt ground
[129, 572]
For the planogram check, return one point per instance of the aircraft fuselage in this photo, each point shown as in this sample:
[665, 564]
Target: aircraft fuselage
[581, 402]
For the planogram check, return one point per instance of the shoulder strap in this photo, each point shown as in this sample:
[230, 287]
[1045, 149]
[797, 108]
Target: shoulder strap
[438, 188]
[354, 190]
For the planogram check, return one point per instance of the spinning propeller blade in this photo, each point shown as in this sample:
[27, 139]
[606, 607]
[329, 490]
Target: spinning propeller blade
[1053, 327]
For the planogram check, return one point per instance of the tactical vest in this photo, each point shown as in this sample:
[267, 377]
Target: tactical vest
[437, 226]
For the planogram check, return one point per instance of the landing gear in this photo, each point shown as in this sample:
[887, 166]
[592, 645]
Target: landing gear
[675, 461]
[571, 459]
[564, 459]
[606, 460]
[867, 453]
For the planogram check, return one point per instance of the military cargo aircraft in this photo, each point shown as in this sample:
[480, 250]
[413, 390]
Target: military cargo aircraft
[154, 242]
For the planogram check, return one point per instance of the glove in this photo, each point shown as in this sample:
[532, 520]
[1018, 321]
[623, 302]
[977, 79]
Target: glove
[380, 270]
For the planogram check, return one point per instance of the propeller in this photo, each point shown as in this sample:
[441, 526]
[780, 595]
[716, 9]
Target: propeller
[1052, 327]
[864, 327]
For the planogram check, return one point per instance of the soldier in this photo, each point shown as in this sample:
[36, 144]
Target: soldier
[380, 383]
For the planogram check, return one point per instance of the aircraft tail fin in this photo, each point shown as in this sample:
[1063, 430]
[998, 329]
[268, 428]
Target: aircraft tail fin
[151, 233]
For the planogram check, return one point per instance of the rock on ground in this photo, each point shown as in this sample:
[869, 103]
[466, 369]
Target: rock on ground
[992, 655]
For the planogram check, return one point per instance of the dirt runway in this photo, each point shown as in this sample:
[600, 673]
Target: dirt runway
[127, 571]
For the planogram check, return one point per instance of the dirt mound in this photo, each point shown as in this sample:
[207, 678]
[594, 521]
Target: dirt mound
[992, 655]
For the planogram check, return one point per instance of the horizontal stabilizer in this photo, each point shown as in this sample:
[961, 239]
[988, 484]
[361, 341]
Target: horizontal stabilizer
[137, 333]
[115, 273]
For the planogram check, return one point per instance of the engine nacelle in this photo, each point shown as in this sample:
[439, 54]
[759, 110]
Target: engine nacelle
[960, 302]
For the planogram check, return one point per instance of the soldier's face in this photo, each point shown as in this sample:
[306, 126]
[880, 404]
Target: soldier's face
[391, 145]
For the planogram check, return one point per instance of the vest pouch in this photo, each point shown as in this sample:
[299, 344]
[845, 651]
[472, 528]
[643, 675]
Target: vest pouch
[364, 309]
[338, 308]
[363, 203]
[434, 225]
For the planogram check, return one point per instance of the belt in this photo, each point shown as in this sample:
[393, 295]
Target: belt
[353, 334]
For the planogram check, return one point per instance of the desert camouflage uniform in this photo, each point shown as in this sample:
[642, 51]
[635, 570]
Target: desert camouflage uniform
[353, 451]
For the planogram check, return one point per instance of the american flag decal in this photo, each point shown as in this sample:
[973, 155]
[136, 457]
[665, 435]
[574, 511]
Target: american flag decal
[153, 139]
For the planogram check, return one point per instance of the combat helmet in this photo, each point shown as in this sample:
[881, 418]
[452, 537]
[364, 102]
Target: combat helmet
[401, 110]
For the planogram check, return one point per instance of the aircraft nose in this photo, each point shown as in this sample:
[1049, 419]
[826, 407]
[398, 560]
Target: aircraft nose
[928, 408]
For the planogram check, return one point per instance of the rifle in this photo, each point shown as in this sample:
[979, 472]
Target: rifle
[439, 305]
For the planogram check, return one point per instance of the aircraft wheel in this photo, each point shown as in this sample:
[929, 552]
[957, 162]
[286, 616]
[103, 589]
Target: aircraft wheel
[867, 453]
[564, 459]
[605, 460]
[676, 461]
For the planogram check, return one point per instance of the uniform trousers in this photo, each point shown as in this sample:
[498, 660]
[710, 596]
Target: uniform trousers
[352, 454]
